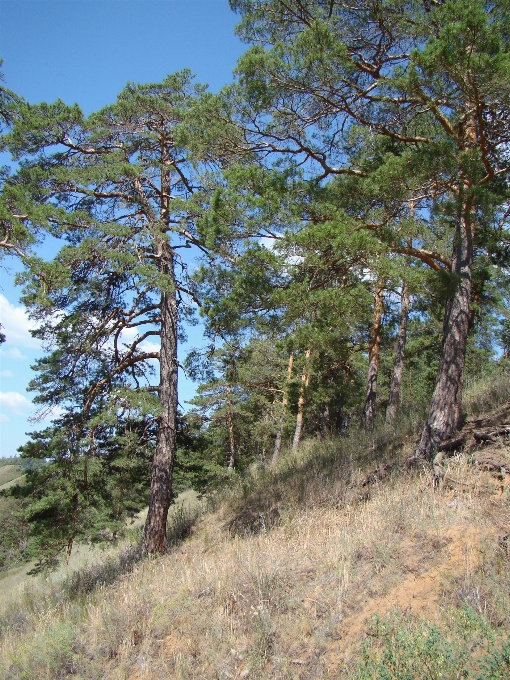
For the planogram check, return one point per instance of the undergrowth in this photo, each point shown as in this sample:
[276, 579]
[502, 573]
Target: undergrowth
[297, 572]
[404, 647]
[324, 473]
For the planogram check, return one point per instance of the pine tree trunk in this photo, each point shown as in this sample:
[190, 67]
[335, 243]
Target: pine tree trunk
[398, 367]
[154, 538]
[325, 424]
[445, 407]
[231, 439]
[368, 414]
[305, 380]
[278, 443]
[340, 420]
[279, 434]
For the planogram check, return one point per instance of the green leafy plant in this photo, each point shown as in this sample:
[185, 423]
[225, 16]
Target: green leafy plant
[404, 647]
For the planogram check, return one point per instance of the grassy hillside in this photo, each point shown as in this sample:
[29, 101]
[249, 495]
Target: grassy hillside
[9, 473]
[12, 470]
[340, 563]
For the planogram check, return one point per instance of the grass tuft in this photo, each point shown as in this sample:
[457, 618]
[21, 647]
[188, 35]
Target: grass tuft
[489, 392]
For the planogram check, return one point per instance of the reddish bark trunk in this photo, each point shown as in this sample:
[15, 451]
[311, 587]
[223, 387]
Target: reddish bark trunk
[279, 434]
[368, 415]
[161, 494]
[305, 380]
[398, 367]
[230, 424]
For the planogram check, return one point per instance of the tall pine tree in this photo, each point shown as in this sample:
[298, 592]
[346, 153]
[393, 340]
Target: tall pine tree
[121, 187]
[421, 88]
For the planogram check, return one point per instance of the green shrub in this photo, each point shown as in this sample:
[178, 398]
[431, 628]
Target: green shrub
[180, 523]
[403, 647]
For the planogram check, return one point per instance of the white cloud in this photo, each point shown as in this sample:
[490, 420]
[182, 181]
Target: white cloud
[16, 325]
[6, 374]
[12, 353]
[267, 242]
[3, 418]
[272, 244]
[16, 402]
[148, 346]
[128, 335]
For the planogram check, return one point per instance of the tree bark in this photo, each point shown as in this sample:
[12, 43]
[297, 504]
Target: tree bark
[161, 494]
[231, 439]
[305, 380]
[279, 434]
[445, 407]
[398, 367]
[325, 424]
[368, 414]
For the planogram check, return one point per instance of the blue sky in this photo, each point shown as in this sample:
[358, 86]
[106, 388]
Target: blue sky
[85, 51]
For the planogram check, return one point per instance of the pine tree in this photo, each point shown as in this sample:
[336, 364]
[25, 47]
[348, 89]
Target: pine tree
[398, 366]
[90, 486]
[422, 90]
[374, 349]
[122, 188]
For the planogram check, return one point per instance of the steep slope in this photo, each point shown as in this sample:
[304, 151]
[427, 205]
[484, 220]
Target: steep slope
[340, 563]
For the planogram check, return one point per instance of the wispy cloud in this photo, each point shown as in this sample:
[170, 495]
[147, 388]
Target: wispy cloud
[12, 353]
[16, 402]
[16, 325]
[6, 374]
[149, 346]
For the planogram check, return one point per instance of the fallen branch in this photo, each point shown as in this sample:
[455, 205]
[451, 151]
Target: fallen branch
[452, 445]
[489, 436]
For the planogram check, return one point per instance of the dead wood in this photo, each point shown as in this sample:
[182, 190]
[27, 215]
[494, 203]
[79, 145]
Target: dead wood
[491, 463]
[376, 475]
[476, 433]
[491, 436]
[453, 444]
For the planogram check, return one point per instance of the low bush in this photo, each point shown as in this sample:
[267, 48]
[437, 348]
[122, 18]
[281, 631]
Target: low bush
[403, 647]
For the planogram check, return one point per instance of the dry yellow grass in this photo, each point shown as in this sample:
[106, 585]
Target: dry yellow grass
[296, 599]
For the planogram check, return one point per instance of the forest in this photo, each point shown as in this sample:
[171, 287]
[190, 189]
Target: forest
[336, 220]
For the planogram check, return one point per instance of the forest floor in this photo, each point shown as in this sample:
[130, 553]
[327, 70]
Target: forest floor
[341, 562]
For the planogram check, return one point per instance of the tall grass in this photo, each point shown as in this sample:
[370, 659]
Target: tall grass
[487, 392]
[54, 592]
[283, 577]
[323, 473]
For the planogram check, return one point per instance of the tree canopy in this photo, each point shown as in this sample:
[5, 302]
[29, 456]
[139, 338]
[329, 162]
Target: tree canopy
[346, 200]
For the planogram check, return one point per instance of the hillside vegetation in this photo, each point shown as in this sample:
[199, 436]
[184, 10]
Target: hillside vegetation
[9, 473]
[339, 562]
[13, 529]
[336, 216]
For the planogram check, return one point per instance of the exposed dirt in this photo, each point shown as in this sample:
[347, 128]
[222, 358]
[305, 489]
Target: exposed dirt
[419, 592]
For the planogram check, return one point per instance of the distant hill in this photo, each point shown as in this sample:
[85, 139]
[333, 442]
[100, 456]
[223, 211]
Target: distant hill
[9, 473]
[12, 470]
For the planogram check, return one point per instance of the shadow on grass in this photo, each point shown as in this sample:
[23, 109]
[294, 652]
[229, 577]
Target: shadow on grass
[324, 473]
[50, 592]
